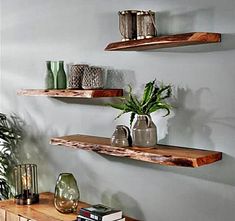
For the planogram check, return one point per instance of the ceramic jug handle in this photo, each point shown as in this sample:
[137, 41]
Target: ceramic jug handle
[148, 120]
[126, 131]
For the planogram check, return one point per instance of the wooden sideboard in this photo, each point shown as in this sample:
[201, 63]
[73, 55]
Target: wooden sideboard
[43, 211]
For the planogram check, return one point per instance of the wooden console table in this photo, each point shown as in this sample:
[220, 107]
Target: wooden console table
[44, 211]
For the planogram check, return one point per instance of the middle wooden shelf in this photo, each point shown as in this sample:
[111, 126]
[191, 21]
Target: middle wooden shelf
[160, 154]
[93, 93]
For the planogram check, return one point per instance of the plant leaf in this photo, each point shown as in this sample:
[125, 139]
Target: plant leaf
[120, 106]
[132, 118]
[148, 90]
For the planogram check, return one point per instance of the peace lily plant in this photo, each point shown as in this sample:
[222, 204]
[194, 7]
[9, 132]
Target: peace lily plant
[153, 99]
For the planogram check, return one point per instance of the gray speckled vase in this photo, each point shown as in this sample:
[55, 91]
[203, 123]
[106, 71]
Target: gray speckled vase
[144, 132]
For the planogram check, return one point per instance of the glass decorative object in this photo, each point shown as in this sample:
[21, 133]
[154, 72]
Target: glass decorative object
[146, 25]
[67, 194]
[61, 79]
[93, 78]
[26, 184]
[49, 77]
[54, 68]
[76, 75]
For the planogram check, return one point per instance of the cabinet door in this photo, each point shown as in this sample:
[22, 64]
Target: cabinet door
[2, 214]
[12, 217]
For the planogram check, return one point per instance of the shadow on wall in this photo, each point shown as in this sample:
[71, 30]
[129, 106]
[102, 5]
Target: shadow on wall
[201, 20]
[186, 123]
[114, 79]
[179, 21]
[35, 150]
[191, 121]
[126, 203]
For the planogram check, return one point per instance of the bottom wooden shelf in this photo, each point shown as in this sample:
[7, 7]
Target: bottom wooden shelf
[160, 154]
[44, 211]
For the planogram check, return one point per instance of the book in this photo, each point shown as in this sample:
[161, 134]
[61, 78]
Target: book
[82, 218]
[100, 212]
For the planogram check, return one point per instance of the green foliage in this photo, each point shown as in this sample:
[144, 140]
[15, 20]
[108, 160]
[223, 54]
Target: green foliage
[10, 139]
[153, 99]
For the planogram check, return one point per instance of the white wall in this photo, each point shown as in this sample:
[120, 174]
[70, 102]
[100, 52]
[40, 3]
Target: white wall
[77, 31]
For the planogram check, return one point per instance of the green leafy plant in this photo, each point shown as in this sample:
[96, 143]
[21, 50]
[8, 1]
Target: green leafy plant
[10, 139]
[153, 99]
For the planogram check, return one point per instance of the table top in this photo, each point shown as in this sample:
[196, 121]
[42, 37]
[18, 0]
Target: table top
[43, 211]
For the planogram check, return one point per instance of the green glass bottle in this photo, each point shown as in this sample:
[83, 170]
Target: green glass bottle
[61, 80]
[49, 81]
[54, 68]
[67, 194]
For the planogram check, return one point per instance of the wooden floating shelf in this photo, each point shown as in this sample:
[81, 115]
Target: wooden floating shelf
[72, 93]
[169, 41]
[43, 211]
[160, 154]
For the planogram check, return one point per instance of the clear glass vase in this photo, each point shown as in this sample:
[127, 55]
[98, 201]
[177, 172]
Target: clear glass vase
[67, 194]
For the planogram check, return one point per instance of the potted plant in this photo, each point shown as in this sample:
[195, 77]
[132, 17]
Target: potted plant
[10, 139]
[154, 98]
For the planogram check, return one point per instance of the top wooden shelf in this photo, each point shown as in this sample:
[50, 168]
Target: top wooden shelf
[160, 154]
[43, 211]
[169, 41]
[72, 93]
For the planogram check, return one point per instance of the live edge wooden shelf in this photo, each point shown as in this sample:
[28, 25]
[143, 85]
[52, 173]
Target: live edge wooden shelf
[43, 211]
[193, 38]
[72, 93]
[160, 154]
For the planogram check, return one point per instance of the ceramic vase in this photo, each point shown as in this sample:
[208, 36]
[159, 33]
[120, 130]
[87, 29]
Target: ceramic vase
[121, 136]
[144, 132]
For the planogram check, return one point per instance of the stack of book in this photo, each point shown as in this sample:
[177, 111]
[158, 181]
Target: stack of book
[99, 212]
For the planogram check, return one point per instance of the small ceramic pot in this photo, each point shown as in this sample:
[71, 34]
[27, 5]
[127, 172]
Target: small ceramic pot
[121, 136]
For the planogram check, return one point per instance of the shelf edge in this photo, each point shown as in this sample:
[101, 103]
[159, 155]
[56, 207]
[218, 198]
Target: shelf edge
[168, 41]
[136, 153]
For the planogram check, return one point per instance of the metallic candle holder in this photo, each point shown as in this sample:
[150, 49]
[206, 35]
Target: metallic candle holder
[26, 184]
[127, 24]
[146, 24]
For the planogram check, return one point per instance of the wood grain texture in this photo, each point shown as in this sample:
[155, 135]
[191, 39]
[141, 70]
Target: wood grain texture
[12, 217]
[44, 211]
[2, 215]
[165, 42]
[72, 93]
[160, 154]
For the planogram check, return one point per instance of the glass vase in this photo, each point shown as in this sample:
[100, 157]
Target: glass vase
[67, 194]
[49, 77]
[61, 79]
